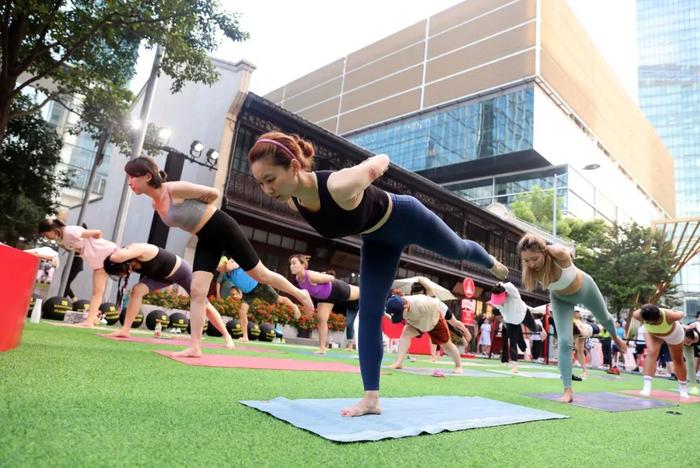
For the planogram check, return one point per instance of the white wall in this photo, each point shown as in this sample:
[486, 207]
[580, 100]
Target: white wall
[198, 112]
[558, 139]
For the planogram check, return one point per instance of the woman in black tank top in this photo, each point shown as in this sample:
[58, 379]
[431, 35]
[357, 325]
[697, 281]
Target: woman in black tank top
[343, 203]
[159, 268]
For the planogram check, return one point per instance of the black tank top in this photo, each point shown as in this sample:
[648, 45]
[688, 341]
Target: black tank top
[160, 266]
[332, 221]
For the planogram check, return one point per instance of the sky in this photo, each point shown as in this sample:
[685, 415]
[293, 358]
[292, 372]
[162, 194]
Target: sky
[291, 39]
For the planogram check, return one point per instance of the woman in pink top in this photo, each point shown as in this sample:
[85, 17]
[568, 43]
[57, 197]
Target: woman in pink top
[91, 247]
[323, 287]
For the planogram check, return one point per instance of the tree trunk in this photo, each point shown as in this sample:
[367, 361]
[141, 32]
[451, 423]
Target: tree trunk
[5, 101]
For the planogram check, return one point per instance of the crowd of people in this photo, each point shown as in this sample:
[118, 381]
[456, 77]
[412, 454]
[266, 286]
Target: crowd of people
[343, 203]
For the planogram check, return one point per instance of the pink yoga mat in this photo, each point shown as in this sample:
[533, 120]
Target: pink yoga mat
[253, 362]
[183, 342]
[665, 395]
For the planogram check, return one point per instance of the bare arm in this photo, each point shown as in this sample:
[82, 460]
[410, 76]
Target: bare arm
[560, 254]
[319, 278]
[637, 314]
[460, 326]
[348, 183]
[673, 315]
[425, 282]
[126, 253]
[96, 233]
[188, 191]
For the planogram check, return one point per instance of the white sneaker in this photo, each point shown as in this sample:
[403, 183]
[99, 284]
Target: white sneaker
[645, 393]
[684, 395]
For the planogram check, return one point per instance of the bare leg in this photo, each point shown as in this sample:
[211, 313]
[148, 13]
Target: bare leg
[216, 320]
[132, 309]
[433, 352]
[453, 352]
[99, 281]
[262, 274]
[653, 347]
[368, 405]
[581, 356]
[324, 310]
[243, 319]
[198, 304]
[404, 343]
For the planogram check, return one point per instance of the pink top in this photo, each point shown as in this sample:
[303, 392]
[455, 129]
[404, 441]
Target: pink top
[94, 251]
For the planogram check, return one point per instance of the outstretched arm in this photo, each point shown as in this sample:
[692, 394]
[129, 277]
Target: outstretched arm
[319, 278]
[674, 315]
[188, 190]
[348, 183]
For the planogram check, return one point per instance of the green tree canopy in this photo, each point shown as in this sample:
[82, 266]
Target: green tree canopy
[90, 48]
[30, 187]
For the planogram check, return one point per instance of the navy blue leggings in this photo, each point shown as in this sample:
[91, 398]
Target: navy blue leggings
[410, 223]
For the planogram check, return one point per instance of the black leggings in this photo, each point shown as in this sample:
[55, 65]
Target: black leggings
[223, 234]
[75, 268]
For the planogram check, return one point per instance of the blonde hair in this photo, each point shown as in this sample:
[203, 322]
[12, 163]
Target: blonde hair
[534, 243]
[303, 259]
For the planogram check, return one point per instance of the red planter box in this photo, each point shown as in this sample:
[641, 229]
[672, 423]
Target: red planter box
[17, 275]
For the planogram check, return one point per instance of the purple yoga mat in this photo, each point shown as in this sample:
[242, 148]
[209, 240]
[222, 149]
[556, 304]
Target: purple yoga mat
[607, 401]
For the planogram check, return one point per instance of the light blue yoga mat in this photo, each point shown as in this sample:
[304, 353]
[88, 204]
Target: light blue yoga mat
[401, 417]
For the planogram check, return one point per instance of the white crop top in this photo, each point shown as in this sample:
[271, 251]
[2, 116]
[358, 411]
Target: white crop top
[568, 275]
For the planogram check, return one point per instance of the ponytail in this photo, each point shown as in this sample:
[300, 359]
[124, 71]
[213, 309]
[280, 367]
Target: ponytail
[143, 165]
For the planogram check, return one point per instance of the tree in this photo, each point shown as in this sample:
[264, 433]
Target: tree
[536, 208]
[30, 188]
[89, 48]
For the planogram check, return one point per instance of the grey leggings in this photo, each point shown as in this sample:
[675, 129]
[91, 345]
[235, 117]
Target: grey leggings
[563, 312]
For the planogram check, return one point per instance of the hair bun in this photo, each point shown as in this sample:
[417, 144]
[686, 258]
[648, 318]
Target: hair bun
[163, 175]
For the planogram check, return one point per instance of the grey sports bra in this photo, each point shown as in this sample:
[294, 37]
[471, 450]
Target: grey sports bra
[185, 215]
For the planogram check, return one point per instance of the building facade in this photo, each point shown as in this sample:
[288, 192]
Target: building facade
[491, 98]
[668, 36]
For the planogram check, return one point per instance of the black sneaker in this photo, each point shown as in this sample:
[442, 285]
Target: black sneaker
[672, 377]
[576, 378]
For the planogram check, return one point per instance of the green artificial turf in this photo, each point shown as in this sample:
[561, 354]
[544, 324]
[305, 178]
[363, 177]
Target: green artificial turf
[71, 398]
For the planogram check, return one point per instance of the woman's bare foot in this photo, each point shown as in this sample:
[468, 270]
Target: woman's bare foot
[396, 365]
[243, 339]
[458, 370]
[499, 270]
[189, 352]
[120, 334]
[568, 396]
[229, 343]
[620, 343]
[368, 405]
[86, 324]
[320, 352]
[584, 374]
[514, 369]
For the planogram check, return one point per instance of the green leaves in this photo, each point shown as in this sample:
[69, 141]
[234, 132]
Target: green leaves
[90, 49]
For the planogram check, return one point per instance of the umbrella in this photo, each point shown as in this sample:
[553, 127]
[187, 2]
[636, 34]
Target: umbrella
[404, 284]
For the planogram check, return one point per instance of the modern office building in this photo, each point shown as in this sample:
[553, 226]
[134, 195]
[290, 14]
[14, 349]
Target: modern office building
[668, 36]
[490, 98]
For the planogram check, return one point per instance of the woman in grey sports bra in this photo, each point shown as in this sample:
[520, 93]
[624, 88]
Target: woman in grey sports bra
[190, 207]
[552, 267]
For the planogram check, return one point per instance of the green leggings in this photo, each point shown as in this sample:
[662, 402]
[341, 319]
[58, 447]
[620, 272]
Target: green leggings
[588, 296]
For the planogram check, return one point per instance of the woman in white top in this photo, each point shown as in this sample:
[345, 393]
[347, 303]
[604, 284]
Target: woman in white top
[553, 268]
[485, 336]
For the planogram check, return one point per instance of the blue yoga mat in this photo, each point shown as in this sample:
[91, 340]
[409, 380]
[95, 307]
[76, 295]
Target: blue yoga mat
[401, 417]
[447, 372]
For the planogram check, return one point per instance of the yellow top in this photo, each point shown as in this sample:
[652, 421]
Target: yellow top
[661, 329]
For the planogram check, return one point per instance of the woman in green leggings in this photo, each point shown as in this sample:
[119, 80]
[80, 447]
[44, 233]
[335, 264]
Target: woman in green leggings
[553, 268]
